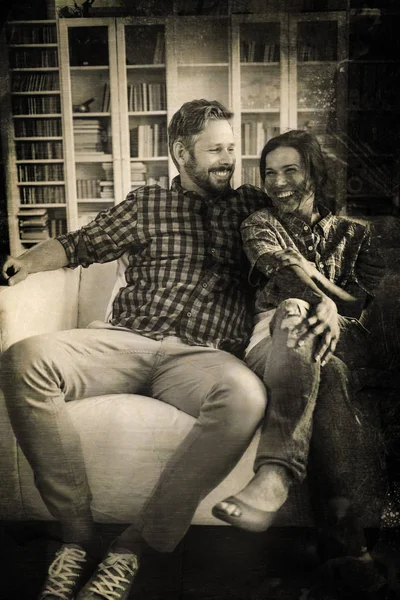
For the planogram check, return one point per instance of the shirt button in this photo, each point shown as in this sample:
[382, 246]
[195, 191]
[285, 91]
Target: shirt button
[306, 228]
[204, 285]
[310, 248]
[212, 250]
[321, 265]
[189, 314]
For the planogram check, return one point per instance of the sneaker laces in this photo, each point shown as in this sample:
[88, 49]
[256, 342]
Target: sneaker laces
[64, 572]
[114, 574]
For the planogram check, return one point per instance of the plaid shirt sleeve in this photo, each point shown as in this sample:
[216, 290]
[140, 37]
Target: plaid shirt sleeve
[260, 238]
[370, 265]
[105, 238]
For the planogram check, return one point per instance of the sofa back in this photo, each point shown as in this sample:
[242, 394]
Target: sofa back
[95, 288]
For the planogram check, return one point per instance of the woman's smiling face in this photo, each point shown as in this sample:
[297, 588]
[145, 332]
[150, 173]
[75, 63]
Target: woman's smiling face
[286, 182]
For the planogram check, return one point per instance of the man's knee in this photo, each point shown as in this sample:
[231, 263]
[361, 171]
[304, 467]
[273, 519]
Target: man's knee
[22, 357]
[245, 395]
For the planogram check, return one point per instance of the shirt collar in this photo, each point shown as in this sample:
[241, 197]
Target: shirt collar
[176, 186]
[298, 223]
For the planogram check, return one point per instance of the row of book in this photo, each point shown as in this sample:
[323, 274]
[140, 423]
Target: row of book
[47, 172]
[37, 105]
[35, 82]
[147, 96]
[32, 34]
[37, 127]
[94, 188]
[251, 51]
[317, 51]
[33, 58]
[149, 141]
[251, 175]
[38, 150]
[42, 194]
[255, 135]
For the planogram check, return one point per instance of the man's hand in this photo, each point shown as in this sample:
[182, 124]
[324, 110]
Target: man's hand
[14, 270]
[323, 322]
[289, 257]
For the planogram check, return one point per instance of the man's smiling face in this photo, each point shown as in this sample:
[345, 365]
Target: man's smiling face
[209, 166]
[285, 180]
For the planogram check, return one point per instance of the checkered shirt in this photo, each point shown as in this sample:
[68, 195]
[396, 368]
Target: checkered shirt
[341, 249]
[187, 272]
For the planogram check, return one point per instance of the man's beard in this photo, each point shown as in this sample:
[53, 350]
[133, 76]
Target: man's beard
[205, 179]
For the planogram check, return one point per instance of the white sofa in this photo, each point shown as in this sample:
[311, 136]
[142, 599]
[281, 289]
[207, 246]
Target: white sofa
[126, 438]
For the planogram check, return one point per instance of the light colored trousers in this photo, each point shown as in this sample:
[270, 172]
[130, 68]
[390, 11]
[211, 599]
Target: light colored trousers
[40, 374]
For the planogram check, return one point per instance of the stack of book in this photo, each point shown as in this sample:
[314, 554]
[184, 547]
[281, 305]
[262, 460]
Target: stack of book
[107, 189]
[138, 175]
[88, 136]
[34, 224]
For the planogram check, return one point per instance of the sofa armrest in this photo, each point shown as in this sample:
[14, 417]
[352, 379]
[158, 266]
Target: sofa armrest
[42, 303]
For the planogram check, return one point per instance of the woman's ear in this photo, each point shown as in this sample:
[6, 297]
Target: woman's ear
[180, 153]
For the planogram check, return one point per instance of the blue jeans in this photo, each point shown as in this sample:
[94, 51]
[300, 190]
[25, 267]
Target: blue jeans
[295, 382]
[40, 374]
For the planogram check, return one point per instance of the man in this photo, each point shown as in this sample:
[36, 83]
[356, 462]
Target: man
[316, 274]
[176, 331]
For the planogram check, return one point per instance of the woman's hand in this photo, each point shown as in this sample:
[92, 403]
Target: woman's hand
[323, 323]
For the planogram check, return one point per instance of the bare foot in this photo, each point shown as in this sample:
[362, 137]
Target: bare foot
[254, 507]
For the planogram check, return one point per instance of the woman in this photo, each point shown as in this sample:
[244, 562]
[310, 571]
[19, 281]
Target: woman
[315, 274]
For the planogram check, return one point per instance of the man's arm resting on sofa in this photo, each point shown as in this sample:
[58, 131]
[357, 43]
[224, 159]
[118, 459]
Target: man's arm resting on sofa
[47, 256]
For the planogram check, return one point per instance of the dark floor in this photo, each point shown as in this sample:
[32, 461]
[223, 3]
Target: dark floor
[211, 563]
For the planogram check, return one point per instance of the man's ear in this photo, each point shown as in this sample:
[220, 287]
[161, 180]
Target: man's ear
[180, 153]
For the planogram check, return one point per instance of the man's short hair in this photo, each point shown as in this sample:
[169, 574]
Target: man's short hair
[191, 119]
[310, 151]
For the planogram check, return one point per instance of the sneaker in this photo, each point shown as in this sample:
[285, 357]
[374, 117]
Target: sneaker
[112, 579]
[65, 573]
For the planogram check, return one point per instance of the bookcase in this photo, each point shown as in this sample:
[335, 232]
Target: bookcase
[36, 182]
[115, 82]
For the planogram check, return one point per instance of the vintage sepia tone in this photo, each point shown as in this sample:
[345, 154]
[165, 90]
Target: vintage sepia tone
[87, 93]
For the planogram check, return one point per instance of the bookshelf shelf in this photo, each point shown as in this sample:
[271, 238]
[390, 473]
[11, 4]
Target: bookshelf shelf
[88, 115]
[33, 69]
[199, 65]
[253, 65]
[39, 160]
[95, 200]
[39, 183]
[38, 115]
[38, 139]
[147, 113]
[317, 63]
[38, 93]
[42, 205]
[32, 45]
[31, 23]
[83, 68]
[152, 66]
